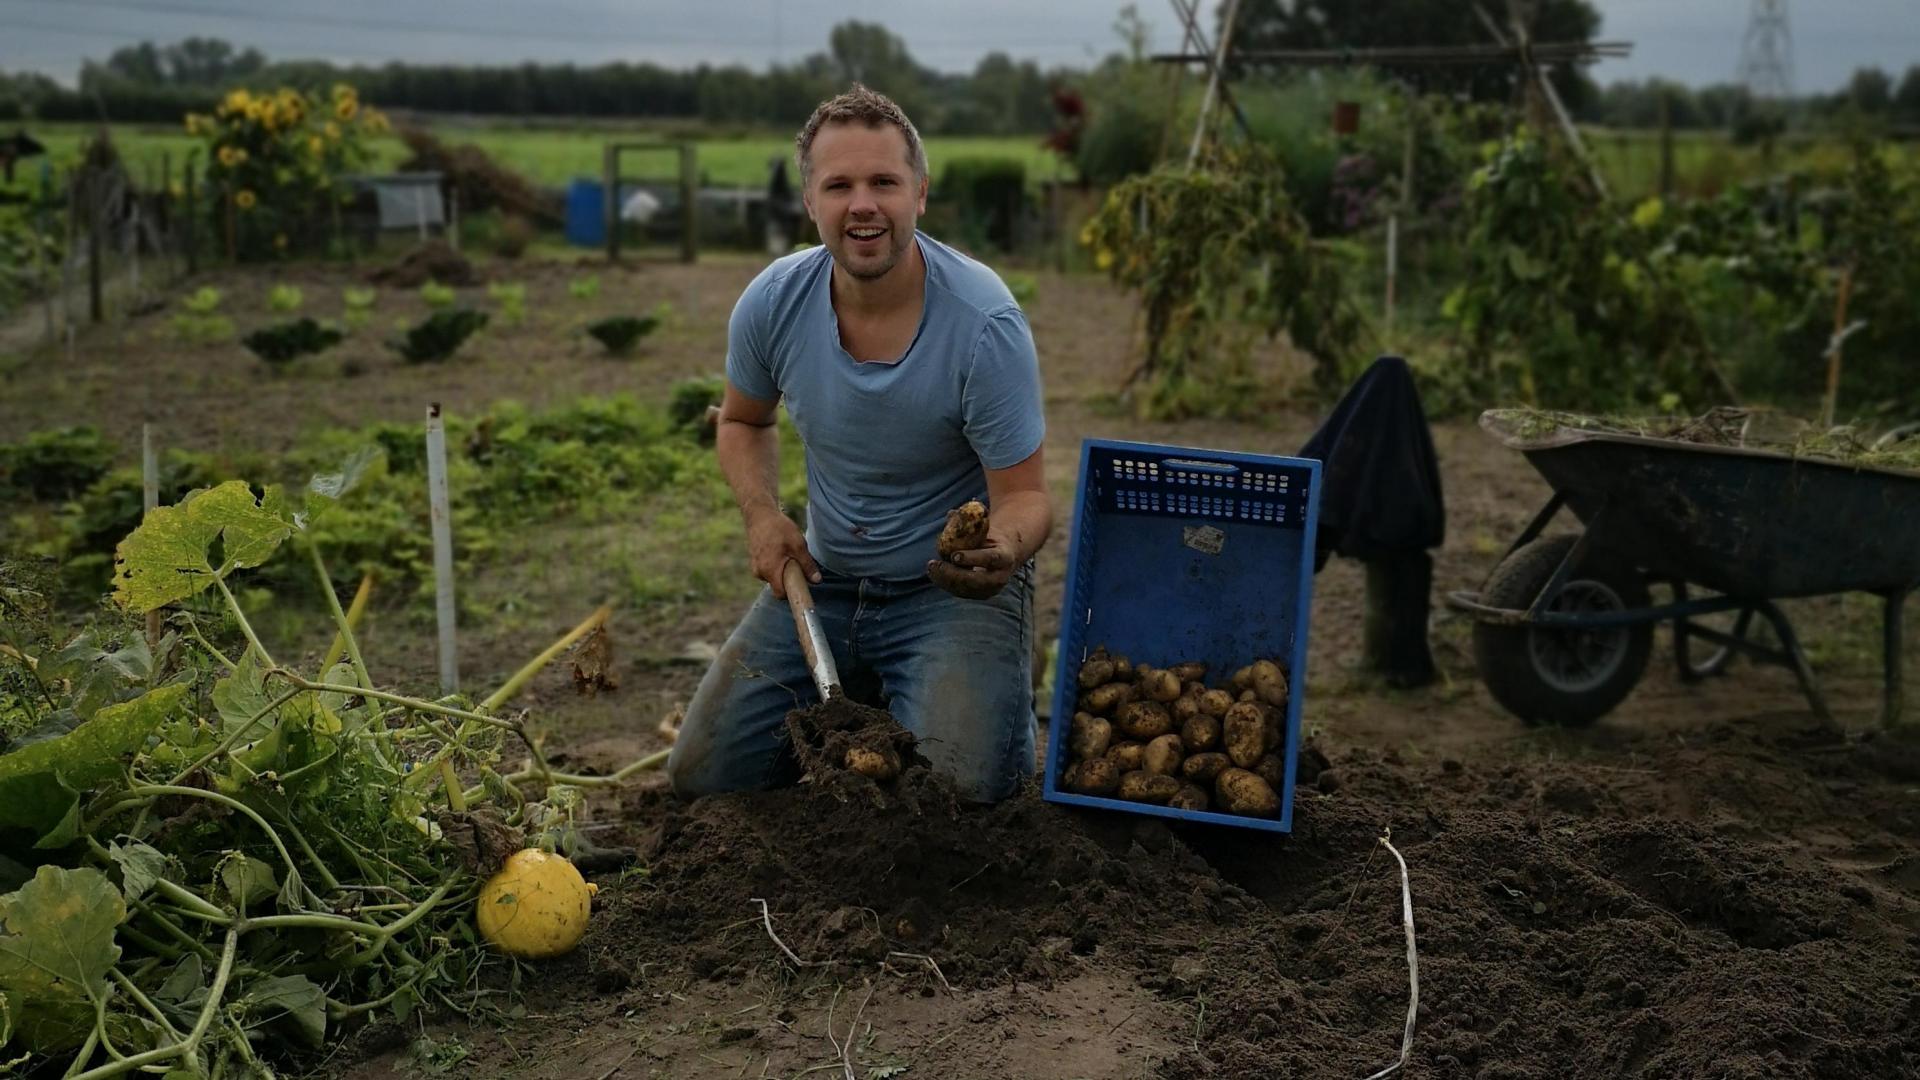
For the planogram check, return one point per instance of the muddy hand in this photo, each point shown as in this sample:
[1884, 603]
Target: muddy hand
[976, 574]
[772, 541]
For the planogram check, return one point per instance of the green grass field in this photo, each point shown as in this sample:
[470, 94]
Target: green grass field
[560, 155]
[1706, 163]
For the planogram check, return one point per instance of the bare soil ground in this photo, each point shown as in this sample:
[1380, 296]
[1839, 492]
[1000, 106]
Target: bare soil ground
[1703, 884]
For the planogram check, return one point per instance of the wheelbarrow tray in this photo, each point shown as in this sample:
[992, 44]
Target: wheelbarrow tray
[1740, 521]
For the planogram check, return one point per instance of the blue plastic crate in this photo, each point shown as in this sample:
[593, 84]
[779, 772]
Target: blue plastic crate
[1184, 554]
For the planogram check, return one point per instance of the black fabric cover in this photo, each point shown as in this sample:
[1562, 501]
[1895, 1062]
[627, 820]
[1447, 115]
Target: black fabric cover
[1380, 480]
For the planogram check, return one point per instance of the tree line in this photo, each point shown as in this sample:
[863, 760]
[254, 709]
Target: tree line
[1871, 92]
[150, 83]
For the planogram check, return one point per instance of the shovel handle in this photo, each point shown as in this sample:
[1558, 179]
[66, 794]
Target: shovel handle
[806, 625]
[794, 581]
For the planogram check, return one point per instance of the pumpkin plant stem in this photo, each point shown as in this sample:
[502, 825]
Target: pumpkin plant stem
[456, 795]
[140, 998]
[238, 734]
[354, 611]
[193, 631]
[651, 761]
[141, 794]
[533, 666]
[184, 1047]
[240, 617]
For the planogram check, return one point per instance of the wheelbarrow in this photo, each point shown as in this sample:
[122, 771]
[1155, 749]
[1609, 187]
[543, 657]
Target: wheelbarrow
[1564, 624]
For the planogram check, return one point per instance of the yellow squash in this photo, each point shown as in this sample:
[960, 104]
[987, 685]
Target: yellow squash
[536, 906]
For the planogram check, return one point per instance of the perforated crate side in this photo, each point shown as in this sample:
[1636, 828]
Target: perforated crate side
[1136, 505]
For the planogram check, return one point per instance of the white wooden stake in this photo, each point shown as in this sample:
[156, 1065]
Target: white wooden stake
[149, 500]
[442, 549]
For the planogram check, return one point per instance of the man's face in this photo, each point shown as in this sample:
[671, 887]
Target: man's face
[863, 196]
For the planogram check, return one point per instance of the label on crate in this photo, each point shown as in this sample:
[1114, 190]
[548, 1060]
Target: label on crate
[1204, 538]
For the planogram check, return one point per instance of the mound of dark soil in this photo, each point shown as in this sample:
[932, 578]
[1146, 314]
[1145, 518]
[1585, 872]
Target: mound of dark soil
[432, 261]
[1558, 935]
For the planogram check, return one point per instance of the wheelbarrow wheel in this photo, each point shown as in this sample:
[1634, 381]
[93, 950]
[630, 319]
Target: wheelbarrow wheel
[1562, 676]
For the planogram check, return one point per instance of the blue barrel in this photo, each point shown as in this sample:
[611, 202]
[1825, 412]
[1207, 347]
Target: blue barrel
[586, 213]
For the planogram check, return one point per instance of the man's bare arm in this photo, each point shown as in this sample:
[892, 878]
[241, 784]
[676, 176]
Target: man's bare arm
[749, 450]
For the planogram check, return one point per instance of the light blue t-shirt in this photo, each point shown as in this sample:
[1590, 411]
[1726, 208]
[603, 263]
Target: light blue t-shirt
[891, 447]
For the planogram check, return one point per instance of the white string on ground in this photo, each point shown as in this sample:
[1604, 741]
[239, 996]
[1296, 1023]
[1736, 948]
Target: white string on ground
[1413, 961]
[846, 1048]
[928, 960]
[766, 918]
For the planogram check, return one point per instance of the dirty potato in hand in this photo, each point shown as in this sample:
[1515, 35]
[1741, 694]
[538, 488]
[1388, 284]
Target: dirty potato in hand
[966, 530]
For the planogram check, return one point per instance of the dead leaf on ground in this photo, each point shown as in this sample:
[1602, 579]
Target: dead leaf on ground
[593, 663]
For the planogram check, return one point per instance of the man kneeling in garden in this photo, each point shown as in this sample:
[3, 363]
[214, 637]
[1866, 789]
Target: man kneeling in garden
[909, 372]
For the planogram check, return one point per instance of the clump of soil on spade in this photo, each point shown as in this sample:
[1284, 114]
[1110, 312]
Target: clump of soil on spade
[853, 751]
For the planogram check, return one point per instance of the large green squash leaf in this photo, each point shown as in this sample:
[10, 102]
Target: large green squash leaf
[56, 947]
[292, 1003]
[40, 782]
[165, 559]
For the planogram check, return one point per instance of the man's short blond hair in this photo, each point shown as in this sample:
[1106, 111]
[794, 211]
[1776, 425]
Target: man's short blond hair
[859, 105]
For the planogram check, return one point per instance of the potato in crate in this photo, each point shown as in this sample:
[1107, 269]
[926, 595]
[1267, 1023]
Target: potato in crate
[1183, 634]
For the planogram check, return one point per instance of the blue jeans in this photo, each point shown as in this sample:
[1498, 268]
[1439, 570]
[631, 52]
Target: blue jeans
[957, 673]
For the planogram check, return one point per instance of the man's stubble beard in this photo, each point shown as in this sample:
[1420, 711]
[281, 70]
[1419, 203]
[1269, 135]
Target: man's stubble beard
[897, 242]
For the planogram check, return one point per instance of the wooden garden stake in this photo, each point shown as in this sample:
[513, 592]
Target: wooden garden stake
[1833, 349]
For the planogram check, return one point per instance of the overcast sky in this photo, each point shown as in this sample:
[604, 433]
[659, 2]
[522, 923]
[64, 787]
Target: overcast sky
[1694, 41]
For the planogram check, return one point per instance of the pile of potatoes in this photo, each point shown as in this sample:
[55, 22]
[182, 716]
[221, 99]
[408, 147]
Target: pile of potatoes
[1159, 735]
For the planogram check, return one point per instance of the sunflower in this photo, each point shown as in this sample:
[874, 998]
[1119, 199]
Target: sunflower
[195, 123]
[333, 131]
[245, 199]
[345, 108]
[1103, 258]
[280, 241]
[316, 145]
[232, 156]
[236, 102]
